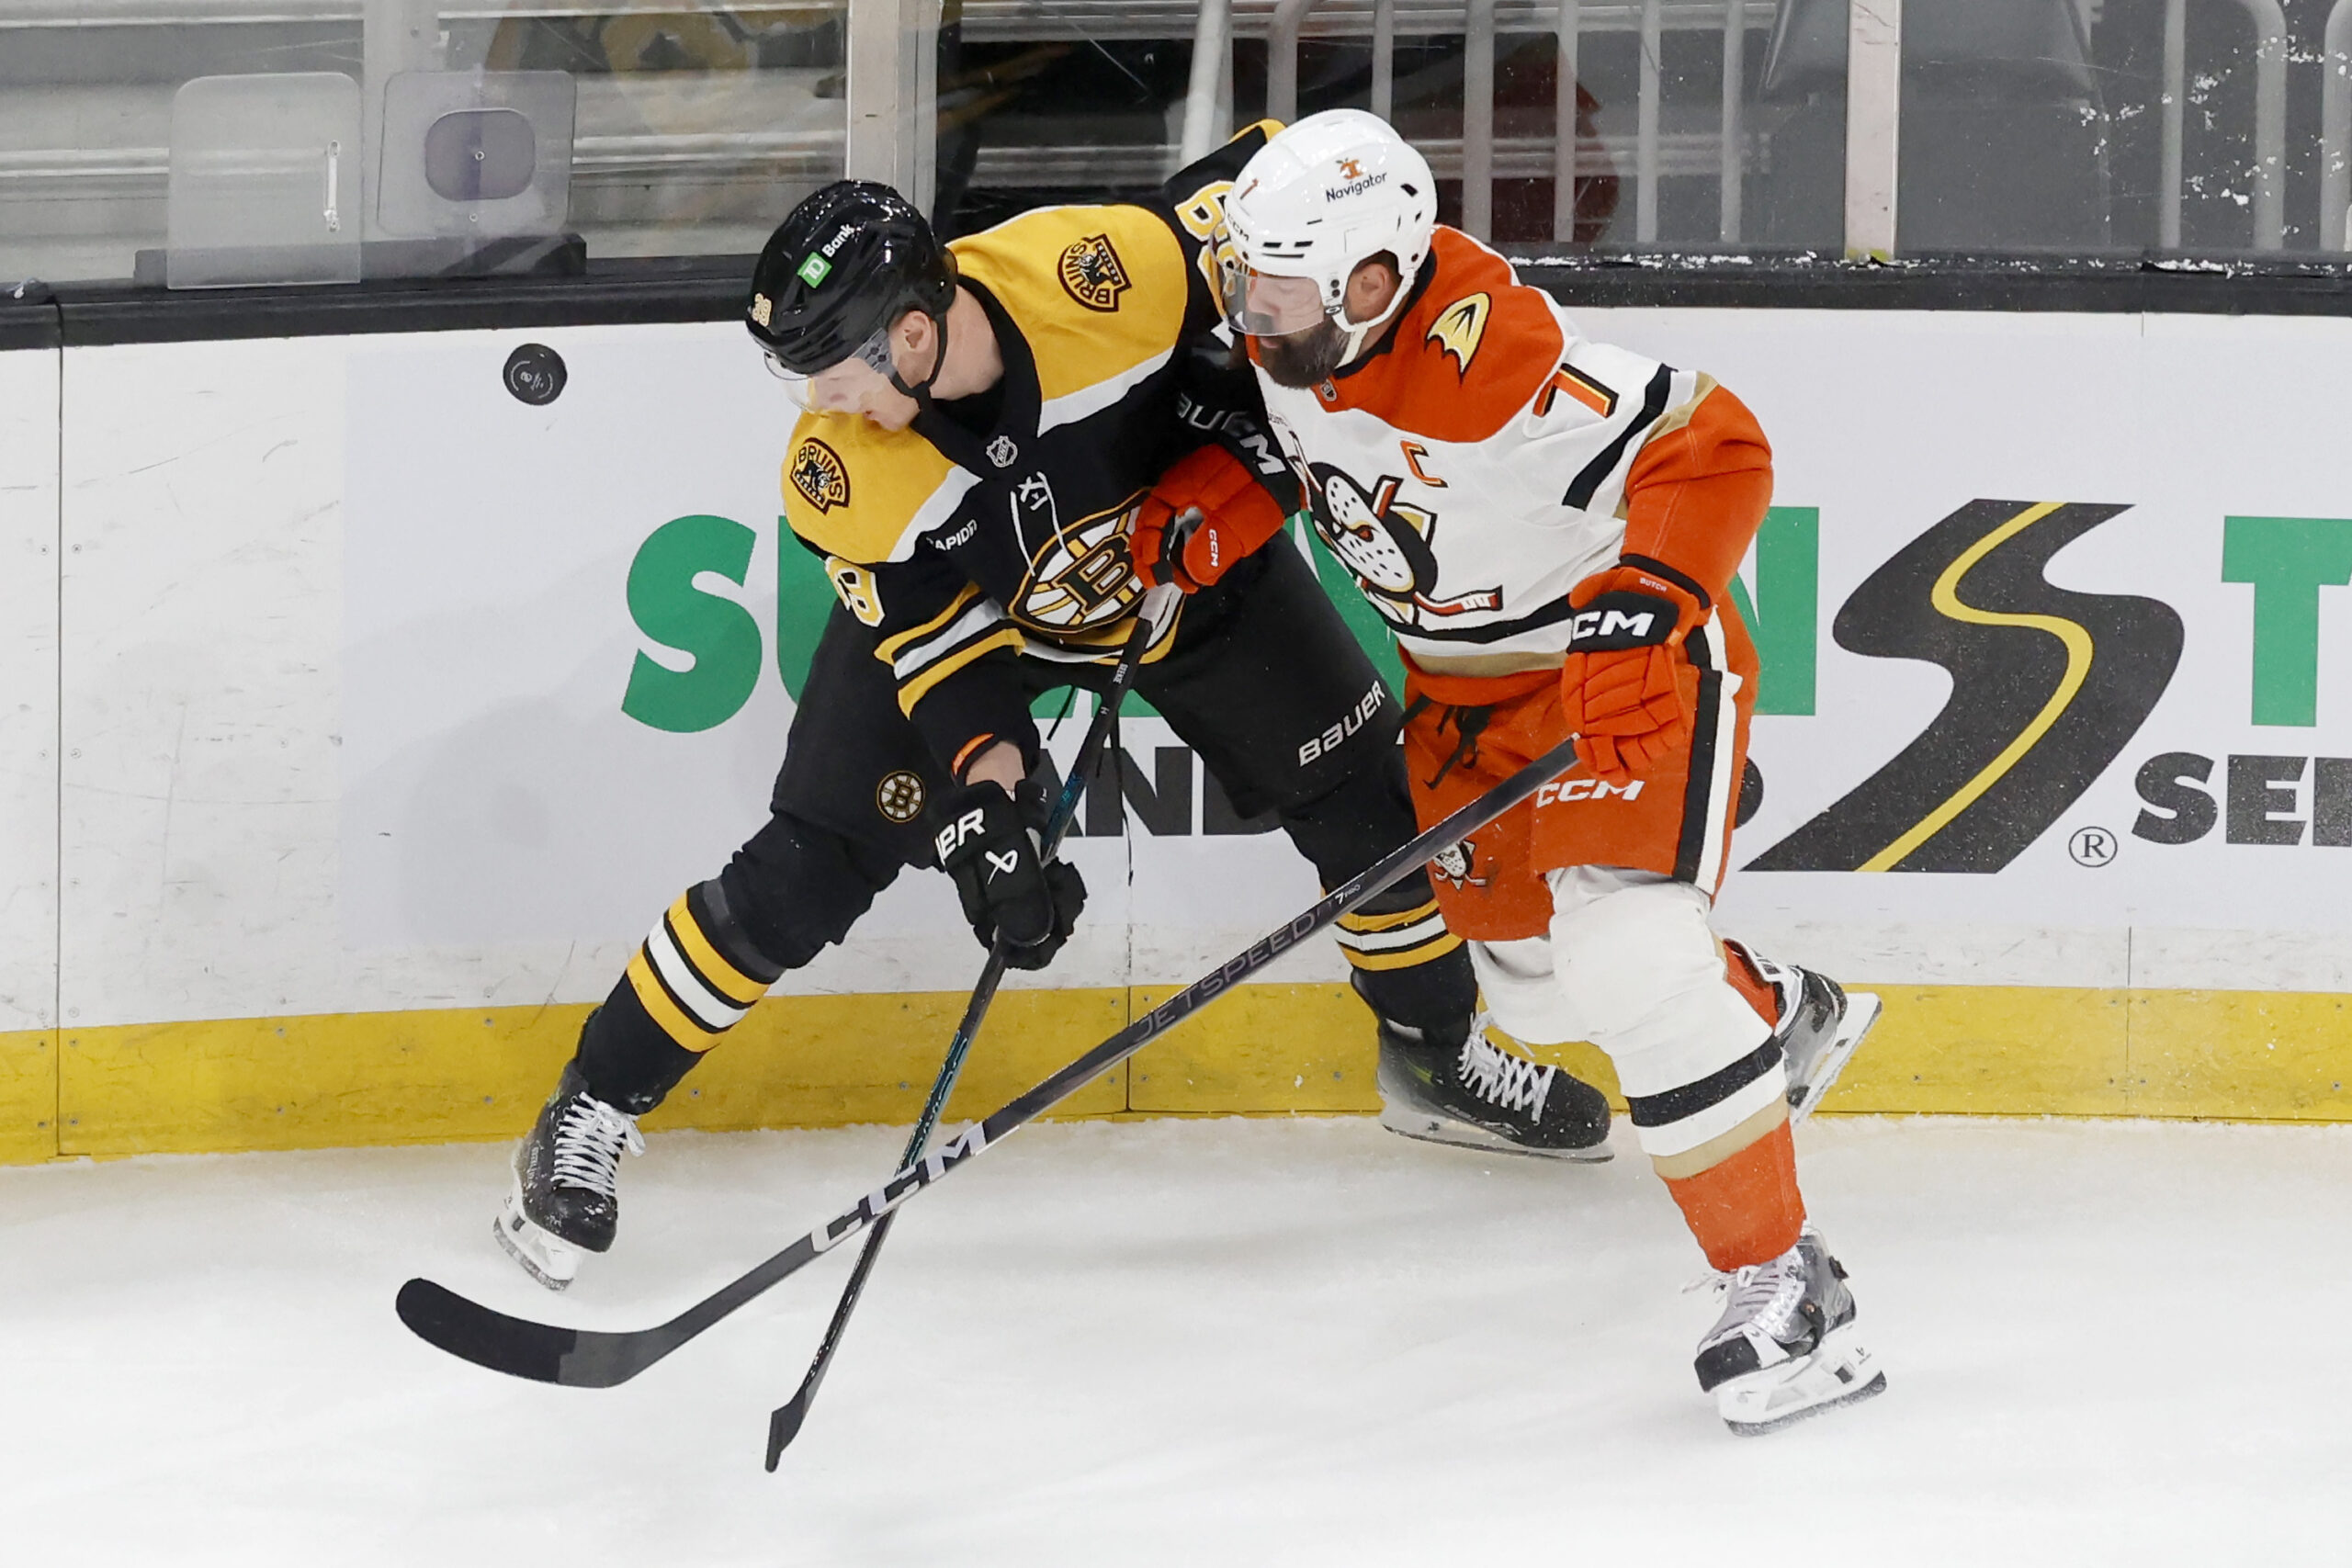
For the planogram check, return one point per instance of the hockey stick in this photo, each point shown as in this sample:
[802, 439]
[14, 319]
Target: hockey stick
[783, 1421]
[587, 1357]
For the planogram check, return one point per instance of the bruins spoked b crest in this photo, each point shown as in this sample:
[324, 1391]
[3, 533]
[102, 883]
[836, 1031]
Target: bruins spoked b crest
[900, 796]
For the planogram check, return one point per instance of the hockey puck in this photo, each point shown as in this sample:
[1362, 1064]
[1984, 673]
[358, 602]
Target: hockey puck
[534, 374]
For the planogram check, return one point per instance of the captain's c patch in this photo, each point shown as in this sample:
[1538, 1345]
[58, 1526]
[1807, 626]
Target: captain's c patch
[1093, 274]
[817, 473]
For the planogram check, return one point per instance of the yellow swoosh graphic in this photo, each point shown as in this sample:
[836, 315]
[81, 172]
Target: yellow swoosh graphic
[1946, 598]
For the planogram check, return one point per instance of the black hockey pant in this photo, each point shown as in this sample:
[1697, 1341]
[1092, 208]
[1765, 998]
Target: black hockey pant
[1264, 681]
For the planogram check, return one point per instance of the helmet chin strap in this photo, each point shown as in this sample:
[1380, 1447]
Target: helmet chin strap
[1359, 336]
[922, 393]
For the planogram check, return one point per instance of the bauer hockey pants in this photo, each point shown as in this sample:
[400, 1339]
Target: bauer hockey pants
[1264, 681]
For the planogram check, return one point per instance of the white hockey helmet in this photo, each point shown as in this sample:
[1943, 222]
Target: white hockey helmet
[1318, 199]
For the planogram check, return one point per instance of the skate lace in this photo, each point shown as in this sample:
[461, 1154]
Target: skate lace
[589, 1139]
[1502, 1079]
[1764, 1295]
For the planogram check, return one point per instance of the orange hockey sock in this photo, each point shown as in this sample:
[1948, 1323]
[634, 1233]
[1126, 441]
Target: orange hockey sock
[1760, 993]
[1745, 1208]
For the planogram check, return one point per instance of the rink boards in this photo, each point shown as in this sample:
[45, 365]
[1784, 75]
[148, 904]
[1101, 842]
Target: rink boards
[356, 717]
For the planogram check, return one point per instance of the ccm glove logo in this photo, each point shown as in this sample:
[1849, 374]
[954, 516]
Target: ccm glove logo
[1619, 620]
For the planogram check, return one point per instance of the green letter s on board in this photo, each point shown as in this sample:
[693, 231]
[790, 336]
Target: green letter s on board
[719, 634]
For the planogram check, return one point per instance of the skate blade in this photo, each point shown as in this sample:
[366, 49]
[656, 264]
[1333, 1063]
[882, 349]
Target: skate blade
[1862, 1008]
[1422, 1127]
[1841, 1372]
[545, 1256]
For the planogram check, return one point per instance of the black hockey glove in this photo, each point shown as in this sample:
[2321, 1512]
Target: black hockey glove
[989, 846]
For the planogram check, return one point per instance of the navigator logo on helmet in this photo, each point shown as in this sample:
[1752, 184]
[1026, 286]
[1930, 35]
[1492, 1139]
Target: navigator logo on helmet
[1329, 192]
[849, 262]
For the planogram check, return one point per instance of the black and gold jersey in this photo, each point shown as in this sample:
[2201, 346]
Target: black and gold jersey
[966, 542]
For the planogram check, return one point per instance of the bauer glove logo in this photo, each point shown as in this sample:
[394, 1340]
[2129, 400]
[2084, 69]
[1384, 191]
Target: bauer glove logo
[952, 837]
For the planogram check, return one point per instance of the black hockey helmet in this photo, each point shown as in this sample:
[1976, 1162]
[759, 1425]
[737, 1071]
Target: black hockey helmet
[850, 260]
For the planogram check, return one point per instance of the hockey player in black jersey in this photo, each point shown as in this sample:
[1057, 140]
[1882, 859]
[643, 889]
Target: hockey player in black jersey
[989, 428]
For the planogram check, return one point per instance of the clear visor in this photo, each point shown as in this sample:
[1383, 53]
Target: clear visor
[841, 388]
[1265, 304]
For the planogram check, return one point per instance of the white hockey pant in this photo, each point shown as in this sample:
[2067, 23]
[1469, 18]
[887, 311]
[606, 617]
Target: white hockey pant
[1631, 965]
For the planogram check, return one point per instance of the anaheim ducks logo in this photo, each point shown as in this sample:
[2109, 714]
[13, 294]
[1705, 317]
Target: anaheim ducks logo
[1460, 328]
[1093, 274]
[1384, 545]
[819, 474]
[1454, 863]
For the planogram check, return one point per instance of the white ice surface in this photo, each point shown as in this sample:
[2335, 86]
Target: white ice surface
[1190, 1343]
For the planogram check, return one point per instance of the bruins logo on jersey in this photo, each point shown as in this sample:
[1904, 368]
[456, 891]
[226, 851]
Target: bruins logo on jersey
[1093, 274]
[819, 474]
[1082, 577]
[900, 796]
[1460, 328]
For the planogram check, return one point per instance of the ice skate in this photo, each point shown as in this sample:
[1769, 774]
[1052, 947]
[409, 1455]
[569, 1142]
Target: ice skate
[1785, 1347]
[1477, 1095]
[566, 1197]
[1821, 1025]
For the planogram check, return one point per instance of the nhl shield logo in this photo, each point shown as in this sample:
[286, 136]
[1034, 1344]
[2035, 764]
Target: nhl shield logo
[1001, 451]
[817, 473]
[1093, 274]
[900, 796]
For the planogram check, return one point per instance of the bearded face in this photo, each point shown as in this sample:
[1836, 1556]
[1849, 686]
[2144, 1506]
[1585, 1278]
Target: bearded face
[1304, 358]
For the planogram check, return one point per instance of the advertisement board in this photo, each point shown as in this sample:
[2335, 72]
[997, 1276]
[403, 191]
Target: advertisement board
[407, 677]
[28, 748]
[2046, 638]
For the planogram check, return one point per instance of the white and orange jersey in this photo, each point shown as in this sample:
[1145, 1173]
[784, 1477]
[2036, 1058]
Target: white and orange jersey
[1479, 461]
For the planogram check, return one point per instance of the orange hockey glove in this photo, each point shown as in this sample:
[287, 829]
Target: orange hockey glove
[1625, 688]
[1236, 516]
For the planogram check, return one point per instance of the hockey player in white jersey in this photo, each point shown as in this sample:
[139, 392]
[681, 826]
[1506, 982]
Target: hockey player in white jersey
[1550, 525]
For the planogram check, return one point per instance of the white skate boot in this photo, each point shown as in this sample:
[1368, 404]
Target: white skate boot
[1784, 1348]
[566, 1197]
[1821, 1025]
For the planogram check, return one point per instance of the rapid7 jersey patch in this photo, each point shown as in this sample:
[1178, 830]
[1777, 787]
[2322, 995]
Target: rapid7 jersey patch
[1388, 546]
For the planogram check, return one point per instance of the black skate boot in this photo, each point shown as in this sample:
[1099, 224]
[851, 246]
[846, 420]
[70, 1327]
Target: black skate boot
[1469, 1092]
[1821, 1025]
[566, 1198]
[1784, 1348]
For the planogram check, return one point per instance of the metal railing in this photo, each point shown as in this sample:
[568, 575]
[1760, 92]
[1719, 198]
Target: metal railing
[1479, 22]
[1480, 157]
[2269, 121]
[2336, 132]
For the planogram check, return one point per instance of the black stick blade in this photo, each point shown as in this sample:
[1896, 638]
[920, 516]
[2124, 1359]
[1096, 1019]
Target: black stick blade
[784, 1424]
[472, 1332]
